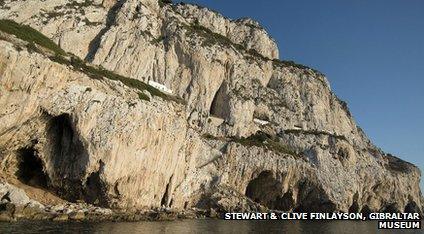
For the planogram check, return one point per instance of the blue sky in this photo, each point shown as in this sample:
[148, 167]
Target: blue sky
[372, 51]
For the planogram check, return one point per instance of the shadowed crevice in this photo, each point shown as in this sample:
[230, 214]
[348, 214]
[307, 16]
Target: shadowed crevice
[220, 103]
[95, 191]
[166, 196]
[110, 21]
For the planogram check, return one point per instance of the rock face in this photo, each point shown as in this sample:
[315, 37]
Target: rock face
[70, 130]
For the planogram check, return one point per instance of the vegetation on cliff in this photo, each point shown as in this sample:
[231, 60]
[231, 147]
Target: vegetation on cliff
[29, 35]
[211, 38]
[262, 140]
[33, 37]
[162, 3]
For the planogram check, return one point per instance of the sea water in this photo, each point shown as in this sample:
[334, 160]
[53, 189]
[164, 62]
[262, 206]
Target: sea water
[200, 226]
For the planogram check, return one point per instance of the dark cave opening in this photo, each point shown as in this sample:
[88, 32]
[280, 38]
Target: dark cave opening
[311, 197]
[164, 200]
[412, 207]
[391, 208]
[220, 103]
[267, 190]
[354, 208]
[67, 157]
[30, 168]
[62, 136]
[94, 189]
[366, 211]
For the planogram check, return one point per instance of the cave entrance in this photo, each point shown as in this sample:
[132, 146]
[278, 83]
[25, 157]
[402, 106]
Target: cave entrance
[62, 137]
[268, 191]
[67, 157]
[30, 168]
[94, 191]
[220, 103]
[412, 207]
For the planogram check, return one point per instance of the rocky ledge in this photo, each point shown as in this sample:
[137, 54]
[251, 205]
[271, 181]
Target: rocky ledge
[142, 105]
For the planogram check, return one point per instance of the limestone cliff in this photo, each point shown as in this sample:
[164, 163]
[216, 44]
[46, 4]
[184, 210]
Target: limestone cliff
[241, 130]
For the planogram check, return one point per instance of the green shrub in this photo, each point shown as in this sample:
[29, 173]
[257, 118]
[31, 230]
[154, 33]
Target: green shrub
[260, 139]
[158, 40]
[30, 35]
[288, 63]
[162, 3]
[314, 132]
[209, 37]
[75, 4]
[143, 96]
[99, 73]
[272, 143]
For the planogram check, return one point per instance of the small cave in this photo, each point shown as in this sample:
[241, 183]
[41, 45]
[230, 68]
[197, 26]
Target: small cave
[220, 103]
[285, 203]
[354, 208]
[412, 207]
[366, 211]
[312, 198]
[267, 190]
[31, 168]
[166, 195]
[94, 189]
[391, 208]
[164, 200]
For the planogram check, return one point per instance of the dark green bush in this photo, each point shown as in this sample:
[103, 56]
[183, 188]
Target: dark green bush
[162, 3]
[261, 139]
[288, 63]
[314, 132]
[30, 35]
[99, 72]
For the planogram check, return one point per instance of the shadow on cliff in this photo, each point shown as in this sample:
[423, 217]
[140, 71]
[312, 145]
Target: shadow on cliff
[110, 21]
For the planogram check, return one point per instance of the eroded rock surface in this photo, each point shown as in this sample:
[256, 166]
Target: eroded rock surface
[106, 143]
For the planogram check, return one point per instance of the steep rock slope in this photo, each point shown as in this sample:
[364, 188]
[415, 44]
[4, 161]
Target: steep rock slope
[252, 129]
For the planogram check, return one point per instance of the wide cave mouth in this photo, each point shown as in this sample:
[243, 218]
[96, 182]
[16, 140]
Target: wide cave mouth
[30, 169]
[267, 190]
